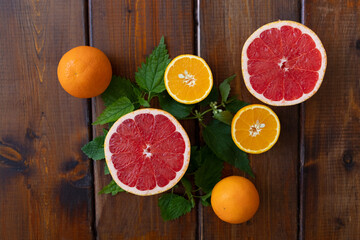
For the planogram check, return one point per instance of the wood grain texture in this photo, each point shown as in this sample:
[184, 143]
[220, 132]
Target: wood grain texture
[127, 31]
[332, 126]
[45, 182]
[225, 26]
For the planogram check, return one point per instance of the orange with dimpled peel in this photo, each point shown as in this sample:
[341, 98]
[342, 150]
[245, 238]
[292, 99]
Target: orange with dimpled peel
[84, 72]
[235, 199]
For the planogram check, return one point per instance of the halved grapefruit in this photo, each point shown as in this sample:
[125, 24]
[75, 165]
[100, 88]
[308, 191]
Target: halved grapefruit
[147, 151]
[283, 63]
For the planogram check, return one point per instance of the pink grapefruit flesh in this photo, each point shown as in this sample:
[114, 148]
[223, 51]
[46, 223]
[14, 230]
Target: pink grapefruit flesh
[147, 151]
[283, 63]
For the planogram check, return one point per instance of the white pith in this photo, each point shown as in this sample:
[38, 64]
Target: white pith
[256, 128]
[190, 82]
[188, 78]
[237, 117]
[279, 24]
[157, 189]
[282, 62]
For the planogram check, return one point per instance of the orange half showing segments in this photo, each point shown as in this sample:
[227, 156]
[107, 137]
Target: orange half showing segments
[188, 79]
[255, 128]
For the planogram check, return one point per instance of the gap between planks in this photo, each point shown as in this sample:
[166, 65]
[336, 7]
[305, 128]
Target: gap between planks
[301, 151]
[90, 101]
[197, 51]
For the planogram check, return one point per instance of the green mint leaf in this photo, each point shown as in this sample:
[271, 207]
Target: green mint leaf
[210, 171]
[175, 108]
[195, 160]
[224, 116]
[173, 206]
[205, 200]
[235, 105]
[217, 136]
[212, 97]
[110, 124]
[112, 188]
[113, 112]
[136, 90]
[106, 169]
[224, 88]
[95, 148]
[188, 189]
[150, 76]
[119, 87]
[105, 131]
[187, 184]
[144, 102]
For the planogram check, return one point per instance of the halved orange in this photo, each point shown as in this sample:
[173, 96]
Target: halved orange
[188, 79]
[255, 128]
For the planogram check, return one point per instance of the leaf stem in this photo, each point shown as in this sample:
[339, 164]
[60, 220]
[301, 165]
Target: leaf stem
[206, 111]
[187, 118]
[202, 124]
[198, 189]
[199, 115]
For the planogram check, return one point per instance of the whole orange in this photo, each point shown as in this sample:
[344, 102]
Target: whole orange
[235, 199]
[84, 72]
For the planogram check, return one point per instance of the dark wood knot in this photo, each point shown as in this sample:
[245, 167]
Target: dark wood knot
[357, 44]
[69, 165]
[10, 157]
[339, 223]
[30, 134]
[348, 160]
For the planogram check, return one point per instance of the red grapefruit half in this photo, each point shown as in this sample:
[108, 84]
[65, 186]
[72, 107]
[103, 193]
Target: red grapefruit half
[283, 63]
[147, 151]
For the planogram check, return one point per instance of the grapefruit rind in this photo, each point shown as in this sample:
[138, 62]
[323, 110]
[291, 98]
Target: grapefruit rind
[279, 24]
[236, 118]
[173, 95]
[157, 189]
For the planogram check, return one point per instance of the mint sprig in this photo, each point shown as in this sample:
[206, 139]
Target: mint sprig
[95, 148]
[106, 169]
[234, 105]
[224, 116]
[210, 171]
[112, 188]
[113, 112]
[224, 88]
[207, 162]
[217, 136]
[173, 206]
[150, 76]
[119, 87]
[175, 108]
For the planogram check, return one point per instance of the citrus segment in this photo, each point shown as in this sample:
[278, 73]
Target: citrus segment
[283, 63]
[255, 128]
[188, 79]
[147, 151]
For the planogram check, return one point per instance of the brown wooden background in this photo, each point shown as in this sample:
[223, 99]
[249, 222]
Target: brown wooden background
[309, 183]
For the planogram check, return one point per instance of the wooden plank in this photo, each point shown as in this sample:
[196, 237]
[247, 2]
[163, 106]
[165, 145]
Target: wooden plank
[225, 26]
[45, 190]
[127, 31]
[332, 140]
